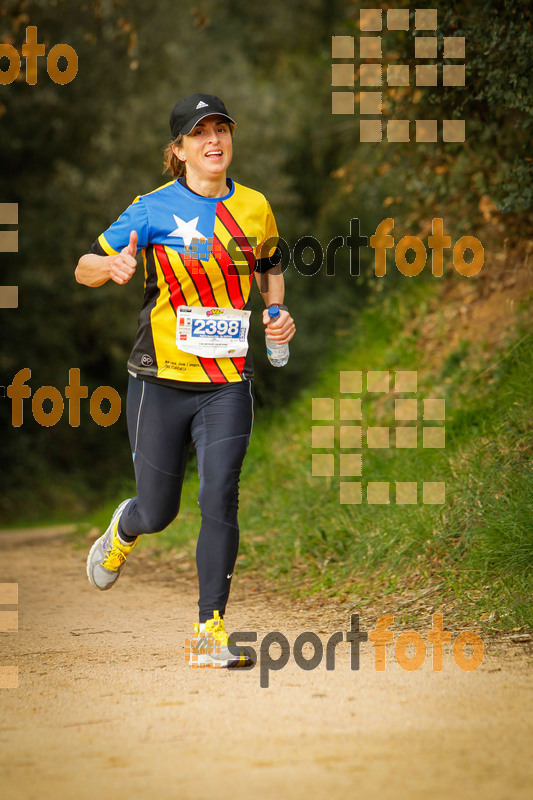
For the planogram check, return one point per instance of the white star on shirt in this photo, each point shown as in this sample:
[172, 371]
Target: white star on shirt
[187, 230]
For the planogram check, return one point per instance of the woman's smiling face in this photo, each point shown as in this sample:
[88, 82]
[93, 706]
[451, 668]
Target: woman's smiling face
[208, 149]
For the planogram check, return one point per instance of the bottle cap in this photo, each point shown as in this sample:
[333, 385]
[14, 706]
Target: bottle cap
[273, 312]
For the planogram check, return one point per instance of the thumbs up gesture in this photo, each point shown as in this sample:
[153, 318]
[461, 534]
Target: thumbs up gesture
[123, 265]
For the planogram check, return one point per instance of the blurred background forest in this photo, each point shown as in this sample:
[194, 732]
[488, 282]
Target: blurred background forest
[74, 156]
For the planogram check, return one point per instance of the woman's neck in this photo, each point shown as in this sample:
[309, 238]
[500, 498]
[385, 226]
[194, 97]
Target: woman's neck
[216, 187]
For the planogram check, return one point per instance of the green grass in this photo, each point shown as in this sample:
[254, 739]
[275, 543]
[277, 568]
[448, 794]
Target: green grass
[477, 547]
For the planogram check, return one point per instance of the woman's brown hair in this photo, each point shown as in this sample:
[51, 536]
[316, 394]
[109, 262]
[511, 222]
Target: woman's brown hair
[171, 162]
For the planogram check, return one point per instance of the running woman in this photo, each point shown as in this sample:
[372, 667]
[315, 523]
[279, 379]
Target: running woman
[202, 237]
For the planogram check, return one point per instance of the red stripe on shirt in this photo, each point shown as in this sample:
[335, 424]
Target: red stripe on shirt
[176, 295]
[200, 280]
[209, 365]
[233, 283]
[231, 224]
[212, 370]
[238, 363]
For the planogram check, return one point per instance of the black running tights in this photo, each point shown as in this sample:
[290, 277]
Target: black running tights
[162, 423]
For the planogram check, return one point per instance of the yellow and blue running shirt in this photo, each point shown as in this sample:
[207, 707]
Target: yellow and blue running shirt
[185, 242]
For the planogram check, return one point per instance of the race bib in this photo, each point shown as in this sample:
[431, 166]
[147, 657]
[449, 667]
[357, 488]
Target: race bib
[212, 332]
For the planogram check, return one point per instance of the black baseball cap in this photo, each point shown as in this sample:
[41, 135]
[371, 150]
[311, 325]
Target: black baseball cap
[188, 112]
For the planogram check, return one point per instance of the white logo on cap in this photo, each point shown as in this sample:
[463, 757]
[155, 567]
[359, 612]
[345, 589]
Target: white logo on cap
[201, 104]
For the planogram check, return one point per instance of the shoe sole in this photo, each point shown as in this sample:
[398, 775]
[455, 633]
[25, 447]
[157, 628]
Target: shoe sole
[206, 660]
[118, 511]
[210, 664]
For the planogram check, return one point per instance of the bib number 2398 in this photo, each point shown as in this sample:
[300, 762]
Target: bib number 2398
[216, 327]
[212, 332]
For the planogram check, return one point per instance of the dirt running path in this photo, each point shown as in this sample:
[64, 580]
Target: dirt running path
[106, 706]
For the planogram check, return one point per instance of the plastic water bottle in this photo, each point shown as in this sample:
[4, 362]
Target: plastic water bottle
[278, 354]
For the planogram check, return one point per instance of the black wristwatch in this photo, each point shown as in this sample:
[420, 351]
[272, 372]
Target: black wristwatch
[278, 305]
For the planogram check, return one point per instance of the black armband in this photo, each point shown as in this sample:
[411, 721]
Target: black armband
[264, 264]
[97, 249]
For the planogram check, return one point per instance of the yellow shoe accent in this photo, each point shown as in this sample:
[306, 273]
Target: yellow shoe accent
[209, 647]
[215, 627]
[117, 555]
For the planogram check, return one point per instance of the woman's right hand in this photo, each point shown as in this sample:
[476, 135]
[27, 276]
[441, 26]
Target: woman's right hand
[123, 265]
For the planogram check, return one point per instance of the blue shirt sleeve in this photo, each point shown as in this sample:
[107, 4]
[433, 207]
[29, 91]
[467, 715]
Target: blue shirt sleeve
[117, 236]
